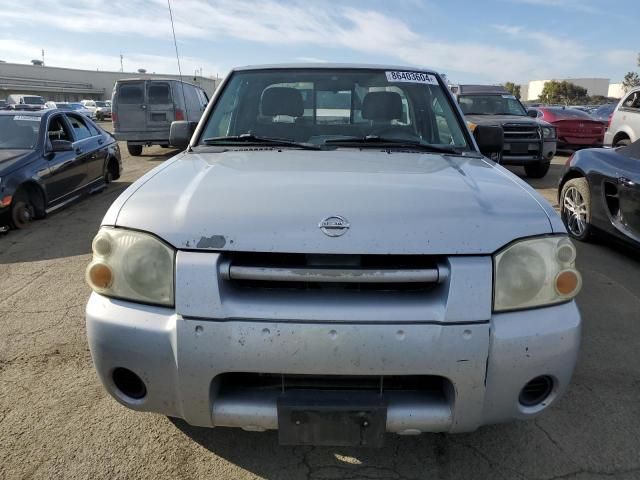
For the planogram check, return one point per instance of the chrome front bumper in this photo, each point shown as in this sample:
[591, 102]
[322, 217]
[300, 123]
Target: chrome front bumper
[486, 363]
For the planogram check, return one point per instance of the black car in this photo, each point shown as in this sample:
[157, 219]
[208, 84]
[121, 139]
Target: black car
[600, 192]
[49, 158]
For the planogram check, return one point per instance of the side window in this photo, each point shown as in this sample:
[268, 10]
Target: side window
[159, 93]
[79, 127]
[130, 92]
[58, 129]
[449, 132]
[92, 128]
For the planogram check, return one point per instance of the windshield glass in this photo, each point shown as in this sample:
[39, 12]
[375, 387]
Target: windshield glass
[64, 106]
[101, 104]
[19, 131]
[33, 100]
[491, 105]
[314, 106]
[76, 106]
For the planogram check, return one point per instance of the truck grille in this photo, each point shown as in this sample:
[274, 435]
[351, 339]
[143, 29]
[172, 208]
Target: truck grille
[287, 382]
[516, 132]
[343, 272]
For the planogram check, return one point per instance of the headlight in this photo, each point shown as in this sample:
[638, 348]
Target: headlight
[549, 132]
[133, 266]
[535, 272]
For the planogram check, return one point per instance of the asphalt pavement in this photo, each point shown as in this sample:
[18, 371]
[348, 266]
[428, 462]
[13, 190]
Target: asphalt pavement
[56, 421]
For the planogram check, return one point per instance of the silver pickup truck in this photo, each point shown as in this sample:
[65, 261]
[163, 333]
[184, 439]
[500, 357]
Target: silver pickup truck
[333, 257]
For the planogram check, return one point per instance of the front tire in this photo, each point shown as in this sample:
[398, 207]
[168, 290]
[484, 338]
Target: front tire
[575, 208]
[134, 150]
[22, 211]
[623, 142]
[537, 170]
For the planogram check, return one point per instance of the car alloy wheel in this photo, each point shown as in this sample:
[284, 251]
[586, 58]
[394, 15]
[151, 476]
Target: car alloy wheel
[575, 212]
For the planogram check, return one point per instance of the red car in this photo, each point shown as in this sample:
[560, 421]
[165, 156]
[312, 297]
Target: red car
[575, 128]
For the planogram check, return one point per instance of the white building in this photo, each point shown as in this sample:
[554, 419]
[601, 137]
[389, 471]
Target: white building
[67, 84]
[594, 86]
[616, 90]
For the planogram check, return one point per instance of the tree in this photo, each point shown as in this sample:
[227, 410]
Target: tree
[562, 92]
[631, 80]
[513, 89]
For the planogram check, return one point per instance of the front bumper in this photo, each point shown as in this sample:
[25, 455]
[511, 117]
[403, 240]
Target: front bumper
[534, 155]
[486, 364]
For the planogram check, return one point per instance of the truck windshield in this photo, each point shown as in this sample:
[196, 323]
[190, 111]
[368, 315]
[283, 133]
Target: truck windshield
[491, 105]
[315, 106]
[19, 131]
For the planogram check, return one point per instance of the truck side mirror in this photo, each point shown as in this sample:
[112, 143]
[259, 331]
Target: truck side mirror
[180, 133]
[490, 139]
[532, 113]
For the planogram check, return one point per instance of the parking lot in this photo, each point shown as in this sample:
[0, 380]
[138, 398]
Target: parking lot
[56, 420]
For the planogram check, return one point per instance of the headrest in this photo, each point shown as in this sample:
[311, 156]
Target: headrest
[382, 106]
[282, 101]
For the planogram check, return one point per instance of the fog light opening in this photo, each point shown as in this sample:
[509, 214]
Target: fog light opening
[129, 383]
[536, 391]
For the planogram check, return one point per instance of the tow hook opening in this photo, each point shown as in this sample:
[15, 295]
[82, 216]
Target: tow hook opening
[129, 384]
[536, 391]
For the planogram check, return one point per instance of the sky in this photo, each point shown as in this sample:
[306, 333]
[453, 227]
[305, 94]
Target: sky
[480, 41]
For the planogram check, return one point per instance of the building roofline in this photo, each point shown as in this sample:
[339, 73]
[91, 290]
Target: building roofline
[100, 71]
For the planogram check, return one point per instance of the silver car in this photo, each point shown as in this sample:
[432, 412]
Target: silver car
[333, 257]
[624, 126]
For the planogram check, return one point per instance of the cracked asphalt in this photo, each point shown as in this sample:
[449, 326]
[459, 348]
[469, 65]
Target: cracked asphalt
[56, 421]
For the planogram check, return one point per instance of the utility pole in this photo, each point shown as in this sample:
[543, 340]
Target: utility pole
[43, 57]
[121, 65]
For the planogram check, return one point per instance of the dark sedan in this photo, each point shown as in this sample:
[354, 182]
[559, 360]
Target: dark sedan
[49, 158]
[600, 192]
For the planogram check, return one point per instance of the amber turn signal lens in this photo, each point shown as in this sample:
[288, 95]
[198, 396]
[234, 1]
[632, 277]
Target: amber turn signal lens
[567, 283]
[100, 275]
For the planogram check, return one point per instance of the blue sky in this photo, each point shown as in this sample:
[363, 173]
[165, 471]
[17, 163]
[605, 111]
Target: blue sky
[483, 41]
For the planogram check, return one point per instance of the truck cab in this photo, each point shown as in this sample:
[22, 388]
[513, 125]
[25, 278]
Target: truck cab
[528, 142]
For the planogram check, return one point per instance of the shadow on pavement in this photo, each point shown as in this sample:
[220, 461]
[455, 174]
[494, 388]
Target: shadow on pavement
[64, 233]
[425, 455]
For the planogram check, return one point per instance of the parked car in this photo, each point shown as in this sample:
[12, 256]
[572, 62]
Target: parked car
[25, 102]
[143, 110]
[103, 110]
[576, 129]
[49, 158]
[89, 104]
[624, 127]
[600, 193]
[604, 113]
[334, 277]
[527, 141]
[76, 107]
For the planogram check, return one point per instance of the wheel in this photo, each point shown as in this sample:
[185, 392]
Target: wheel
[111, 173]
[537, 170]
[622, 142]
[134, 150]
[575, 208]
[22, 211]
[99, 116]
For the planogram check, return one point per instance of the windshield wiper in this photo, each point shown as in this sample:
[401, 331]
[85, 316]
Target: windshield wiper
[253, 139]
[376, 141]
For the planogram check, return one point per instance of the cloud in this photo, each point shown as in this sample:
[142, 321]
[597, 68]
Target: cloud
[13, 50]
[622, 58]
[573, 5]
[310, 25]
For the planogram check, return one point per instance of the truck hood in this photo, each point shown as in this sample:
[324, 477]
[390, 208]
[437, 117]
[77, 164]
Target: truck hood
[273, 201]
